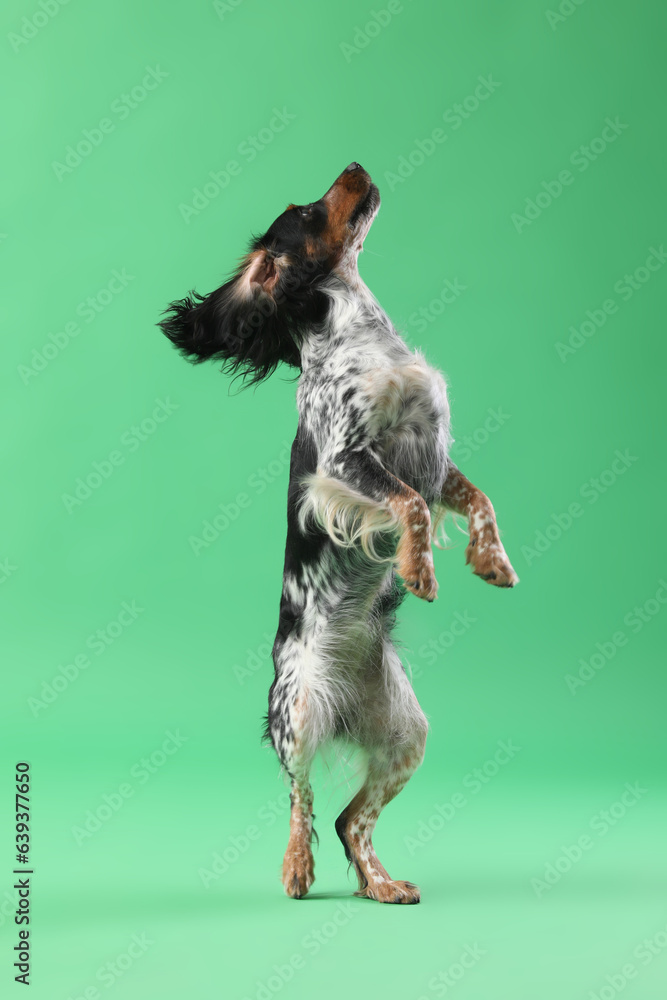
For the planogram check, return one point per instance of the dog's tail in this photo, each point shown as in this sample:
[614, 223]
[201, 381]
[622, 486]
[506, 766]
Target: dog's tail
[349, 517]
[345, 514]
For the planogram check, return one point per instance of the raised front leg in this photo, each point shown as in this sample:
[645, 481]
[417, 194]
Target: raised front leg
[353, 496]
[485, 552]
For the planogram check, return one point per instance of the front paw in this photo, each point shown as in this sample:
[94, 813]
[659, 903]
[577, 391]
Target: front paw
[489, 561]
[415, 566]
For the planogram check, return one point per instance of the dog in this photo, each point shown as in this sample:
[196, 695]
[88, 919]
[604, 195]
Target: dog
[370, 481]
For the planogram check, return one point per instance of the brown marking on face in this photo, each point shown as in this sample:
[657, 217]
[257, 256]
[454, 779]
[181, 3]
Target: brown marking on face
[329, 243]
[341, 200]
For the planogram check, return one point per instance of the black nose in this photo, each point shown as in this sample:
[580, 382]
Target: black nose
[353, 166]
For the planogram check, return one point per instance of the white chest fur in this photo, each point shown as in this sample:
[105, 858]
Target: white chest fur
[409, 422]
[362, 384]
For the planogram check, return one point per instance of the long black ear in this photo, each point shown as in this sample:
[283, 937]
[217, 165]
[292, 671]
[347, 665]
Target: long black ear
[254, 321]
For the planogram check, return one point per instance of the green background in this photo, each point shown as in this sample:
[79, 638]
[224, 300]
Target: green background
[195, 659]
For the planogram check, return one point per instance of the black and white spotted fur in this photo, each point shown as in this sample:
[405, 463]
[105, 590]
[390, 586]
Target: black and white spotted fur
[369, 478]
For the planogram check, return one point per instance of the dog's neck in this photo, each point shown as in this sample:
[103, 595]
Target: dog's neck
[355, 325]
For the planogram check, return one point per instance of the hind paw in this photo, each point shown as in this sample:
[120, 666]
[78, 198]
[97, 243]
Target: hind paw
[298, 872]
[391, 892]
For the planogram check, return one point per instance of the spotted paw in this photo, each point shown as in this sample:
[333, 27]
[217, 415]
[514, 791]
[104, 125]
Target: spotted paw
[425, 586]
[298, 872]
[415, 566]
[391, 892]
[489, 561]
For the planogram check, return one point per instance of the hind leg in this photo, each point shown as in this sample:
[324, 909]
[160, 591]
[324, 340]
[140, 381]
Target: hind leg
[298, 871]
[394, 734]
[291, 732]
[386, 777]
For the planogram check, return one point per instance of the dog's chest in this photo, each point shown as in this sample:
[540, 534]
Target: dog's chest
[409, 422]
[406, 400]
[396, 407]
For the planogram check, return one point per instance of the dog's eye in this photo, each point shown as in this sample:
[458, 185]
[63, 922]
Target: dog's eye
[305, 211]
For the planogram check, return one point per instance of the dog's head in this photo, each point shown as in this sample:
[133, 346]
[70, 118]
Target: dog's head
[259, 317]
